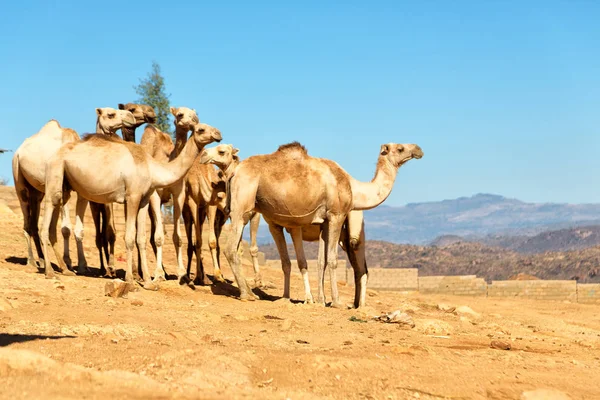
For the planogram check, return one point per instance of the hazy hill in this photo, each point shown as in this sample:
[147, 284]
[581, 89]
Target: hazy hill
[472, 217]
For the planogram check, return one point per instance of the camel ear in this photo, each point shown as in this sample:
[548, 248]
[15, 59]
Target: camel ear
[98, 111]
[121, 106]
[385, 149]
[235, 151]
[173, 111]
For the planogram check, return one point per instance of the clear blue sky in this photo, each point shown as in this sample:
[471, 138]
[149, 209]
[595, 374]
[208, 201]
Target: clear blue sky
[503, 97]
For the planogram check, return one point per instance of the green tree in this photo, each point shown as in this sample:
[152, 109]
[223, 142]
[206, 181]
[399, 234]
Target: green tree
[152, 92]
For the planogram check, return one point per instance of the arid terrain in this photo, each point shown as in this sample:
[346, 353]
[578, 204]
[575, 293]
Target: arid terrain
[65, 339]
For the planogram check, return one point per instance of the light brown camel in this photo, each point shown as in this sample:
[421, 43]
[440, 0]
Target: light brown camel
[102, 214]
[292, 189]
[204, 194]
[29, 163]
[128, 175]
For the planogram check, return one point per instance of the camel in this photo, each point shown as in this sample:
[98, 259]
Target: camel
[204, 194]
[128, 175]
[29, 172]
[102, 214]
[292, 189]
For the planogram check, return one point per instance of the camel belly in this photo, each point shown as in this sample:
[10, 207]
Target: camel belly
[291, 219]
[108, 188]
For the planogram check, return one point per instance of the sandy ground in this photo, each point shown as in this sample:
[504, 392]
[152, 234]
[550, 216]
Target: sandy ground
[64, 339]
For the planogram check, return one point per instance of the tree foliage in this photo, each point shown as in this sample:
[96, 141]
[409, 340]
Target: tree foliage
[152, 92]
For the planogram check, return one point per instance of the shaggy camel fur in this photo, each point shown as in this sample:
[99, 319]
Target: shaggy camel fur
[29, 171]
[129, 175]
[291, 189]
[204, 193]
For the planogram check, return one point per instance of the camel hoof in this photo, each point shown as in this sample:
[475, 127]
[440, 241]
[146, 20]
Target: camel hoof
[68, 262]
[219, 278]
[309, 300]
[203, 282]
[67, 272]
[248, 297]
[150, 286]
[159, 278]
[338, 305]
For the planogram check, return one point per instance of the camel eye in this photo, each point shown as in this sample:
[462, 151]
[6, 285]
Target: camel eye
[111, 116]
[132, 110]
[179, 116]
[221, 153]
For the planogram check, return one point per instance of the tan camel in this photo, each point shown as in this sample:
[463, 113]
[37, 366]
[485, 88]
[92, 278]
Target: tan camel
[102, 214]
[204, 194]
[291, 190]
[29, 163]
[128, 175]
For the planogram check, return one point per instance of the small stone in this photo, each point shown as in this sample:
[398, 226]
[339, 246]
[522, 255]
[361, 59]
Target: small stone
[500, 345]
[137, 303]
[59, 285]
[286, 325]
[116, 288]
[338, 377]
[446, 308]
[398, 317]
[372, 293]
[545, 394]
[465, 310]
[115, 341]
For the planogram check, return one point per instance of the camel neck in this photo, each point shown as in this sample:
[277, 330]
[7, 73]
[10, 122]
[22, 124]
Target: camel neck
[181, 138]
[128, 133]
[168, 174]
[367, 195]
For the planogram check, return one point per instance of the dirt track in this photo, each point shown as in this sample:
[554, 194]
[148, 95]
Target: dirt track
[64, 339]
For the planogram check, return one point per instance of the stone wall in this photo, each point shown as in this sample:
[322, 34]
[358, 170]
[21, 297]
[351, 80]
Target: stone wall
[535, 289]
[465, 285]
[402, 279]
[312, 269]
[588, 293]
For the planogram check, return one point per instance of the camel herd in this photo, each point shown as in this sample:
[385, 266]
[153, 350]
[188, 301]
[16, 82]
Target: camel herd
[314, 199]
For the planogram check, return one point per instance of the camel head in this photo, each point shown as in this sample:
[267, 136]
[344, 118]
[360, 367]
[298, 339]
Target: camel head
[185, 118]
[110, 120]
[397, 154]
[222, 156]
[204, 134]
[143, 113]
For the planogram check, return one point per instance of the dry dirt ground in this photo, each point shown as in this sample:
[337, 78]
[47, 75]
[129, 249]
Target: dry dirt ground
[64, 339]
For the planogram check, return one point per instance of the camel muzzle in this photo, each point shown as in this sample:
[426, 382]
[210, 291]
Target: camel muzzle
[217, 137]
[417, 152]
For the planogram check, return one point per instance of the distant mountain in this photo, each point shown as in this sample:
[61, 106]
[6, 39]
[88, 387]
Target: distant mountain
[559, 240]
[470, 217]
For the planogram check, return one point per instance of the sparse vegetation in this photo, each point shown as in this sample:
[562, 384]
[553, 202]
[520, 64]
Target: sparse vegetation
[152, 92]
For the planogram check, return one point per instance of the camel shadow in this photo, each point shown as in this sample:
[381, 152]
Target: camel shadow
[16, 260]
[8, 339]
[227, 289]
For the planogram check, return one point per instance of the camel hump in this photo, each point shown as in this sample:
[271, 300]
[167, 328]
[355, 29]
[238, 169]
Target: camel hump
[69, 135]
[294, 146]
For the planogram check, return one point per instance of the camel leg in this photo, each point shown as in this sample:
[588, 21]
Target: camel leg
[254, 223]
[159, 236]
[213, 243]
[25, 209]
[50, 214]
[302, 264]
[65, 229]
[188, 224]
[178, 202]
[201, 278]
[233, 257]
[219, 222]
[95, 210]
[354, 243]
[82, 203]
[321, 262]
[141, 245]
[34, 216]
[334, 223]
[131, 211]
[110, 237]
[286, 265]
[23, 190]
